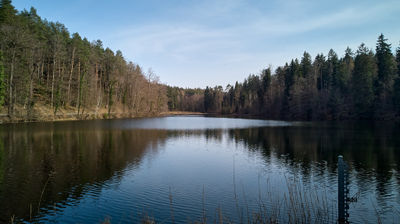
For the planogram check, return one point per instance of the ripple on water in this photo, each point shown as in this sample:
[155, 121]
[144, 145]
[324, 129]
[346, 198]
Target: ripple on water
[125, 169]
[193, 123]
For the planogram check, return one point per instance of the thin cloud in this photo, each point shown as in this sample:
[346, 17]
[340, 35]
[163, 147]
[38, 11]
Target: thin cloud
[195, 44]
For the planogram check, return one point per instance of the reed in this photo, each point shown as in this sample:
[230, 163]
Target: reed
[295, 205]
[298, 203]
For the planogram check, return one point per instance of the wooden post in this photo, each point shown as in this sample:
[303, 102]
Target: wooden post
[343, 191]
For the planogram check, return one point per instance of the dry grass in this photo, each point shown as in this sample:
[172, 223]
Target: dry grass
[42, 113]
[295, 205]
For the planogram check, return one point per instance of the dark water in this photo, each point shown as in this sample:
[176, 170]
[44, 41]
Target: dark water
[190, 168]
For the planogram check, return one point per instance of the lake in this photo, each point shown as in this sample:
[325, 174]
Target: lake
[194, 168]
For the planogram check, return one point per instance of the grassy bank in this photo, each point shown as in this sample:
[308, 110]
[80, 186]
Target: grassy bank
[43, 113]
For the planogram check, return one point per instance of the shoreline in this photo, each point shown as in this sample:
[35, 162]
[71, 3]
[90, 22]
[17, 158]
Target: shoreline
[74, 116]
[168, 113]
[71, 115]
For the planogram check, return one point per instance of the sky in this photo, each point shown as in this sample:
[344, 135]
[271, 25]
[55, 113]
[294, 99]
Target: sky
[199, 43]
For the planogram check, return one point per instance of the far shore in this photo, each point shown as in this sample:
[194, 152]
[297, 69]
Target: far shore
[167, 113]
[70, 115]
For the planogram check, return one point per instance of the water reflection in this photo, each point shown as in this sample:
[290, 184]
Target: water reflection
[60, 165]
[61, 160]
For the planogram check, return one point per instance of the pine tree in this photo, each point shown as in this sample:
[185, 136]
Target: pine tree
[306, 64]
[398, 61]
[332, 67]
[320, 70]
[334, 90]
[345, 70]
[7, 12]
[396, 95]
[266, 79]
[386, 69]
[362, 82]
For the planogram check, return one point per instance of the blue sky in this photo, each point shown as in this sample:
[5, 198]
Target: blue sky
[195, 43]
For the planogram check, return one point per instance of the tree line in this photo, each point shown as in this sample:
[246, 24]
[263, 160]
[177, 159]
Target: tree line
[185, 99]
[42, 66]
[45, 69]
[360, 85]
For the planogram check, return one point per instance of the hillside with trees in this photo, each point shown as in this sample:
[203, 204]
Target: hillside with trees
[360, 85]
[47, 71]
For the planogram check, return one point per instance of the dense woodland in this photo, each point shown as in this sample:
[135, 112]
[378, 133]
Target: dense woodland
[43, 66]
[46, 70]
[360, 85]
[180, 99]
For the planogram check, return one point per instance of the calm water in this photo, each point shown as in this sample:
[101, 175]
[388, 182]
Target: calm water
[191, 168]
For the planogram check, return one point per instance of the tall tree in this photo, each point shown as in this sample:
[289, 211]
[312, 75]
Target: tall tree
[306, 64]
[396, 87]
[7, 12]
[386, 74]
[362, 82]
[2, 82]
[45, 66]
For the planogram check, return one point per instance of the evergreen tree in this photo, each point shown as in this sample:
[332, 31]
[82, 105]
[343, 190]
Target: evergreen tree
[7, 12]
[386, 69]
[362, 82]
[266, 79]
[396, 87]
[327, 88]
[47, 67]
[208, 99]
[306, 64]
[345, 71]
[334, 91]
[320, 69]
[398, 61]
[332, 67]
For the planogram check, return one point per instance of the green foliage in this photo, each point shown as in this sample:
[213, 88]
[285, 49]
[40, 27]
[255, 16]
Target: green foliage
[306, 66]
[326, 88]
[47, 66]
[362, 82]
[7, 11]
[386, 67]
[181, 99]
[266, 79]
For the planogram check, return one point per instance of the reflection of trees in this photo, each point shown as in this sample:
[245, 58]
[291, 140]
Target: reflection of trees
[77, 156]
[209, 134]
[373, 150]
[80, 155]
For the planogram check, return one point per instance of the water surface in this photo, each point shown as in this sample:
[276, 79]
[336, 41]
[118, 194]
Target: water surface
[191, 168]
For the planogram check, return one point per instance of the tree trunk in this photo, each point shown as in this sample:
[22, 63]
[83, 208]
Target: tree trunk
[70, 77]
[110, 98]
[98, 92]
[30, 101]
[52, 82]
[78, 100]
[41, 71]
[47, 76]
[10, 103]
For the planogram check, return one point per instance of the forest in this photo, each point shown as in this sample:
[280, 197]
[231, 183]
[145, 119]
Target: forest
[185, 99]
[361, 85]
[45, 70]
